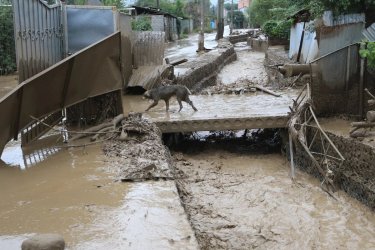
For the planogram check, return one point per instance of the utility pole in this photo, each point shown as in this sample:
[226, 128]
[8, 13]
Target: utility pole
[220, 19]
[201, 33]
[231, 18]
[157, 4]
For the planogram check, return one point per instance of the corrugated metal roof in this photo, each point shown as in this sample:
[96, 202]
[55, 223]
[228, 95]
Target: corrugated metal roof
[369, 33]
[330, 20]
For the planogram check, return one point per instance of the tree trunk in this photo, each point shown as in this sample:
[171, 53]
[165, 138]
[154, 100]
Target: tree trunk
[201, 34]
[220, 20]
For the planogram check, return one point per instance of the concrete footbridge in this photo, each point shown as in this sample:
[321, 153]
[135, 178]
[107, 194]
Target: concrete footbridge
[217, 112]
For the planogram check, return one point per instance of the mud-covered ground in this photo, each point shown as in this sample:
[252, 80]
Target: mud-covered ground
[239, 198]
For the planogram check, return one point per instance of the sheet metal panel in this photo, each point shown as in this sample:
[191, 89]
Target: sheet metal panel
[90, 72]
[38, 36]
[87, 25]
[337, 37]
[369, 33]
[335, 82]
[148, 48]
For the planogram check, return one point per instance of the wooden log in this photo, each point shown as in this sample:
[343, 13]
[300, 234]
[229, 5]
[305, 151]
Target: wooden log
[357, 134]
[369, 93]
[179, 62]
[290, 70]
[370, 116]
[267, 90]
[363, 124]
[91, 130]
[371, 102]
[100, 132]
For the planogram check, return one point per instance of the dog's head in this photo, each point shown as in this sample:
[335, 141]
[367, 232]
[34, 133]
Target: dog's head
[146, 95]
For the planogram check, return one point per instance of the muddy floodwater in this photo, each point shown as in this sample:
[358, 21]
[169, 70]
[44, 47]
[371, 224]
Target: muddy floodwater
[247, 201]
[72, 192]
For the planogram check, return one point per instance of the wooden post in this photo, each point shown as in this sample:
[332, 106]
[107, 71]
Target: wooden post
[361, 85]
[201, 33]
[292, 169]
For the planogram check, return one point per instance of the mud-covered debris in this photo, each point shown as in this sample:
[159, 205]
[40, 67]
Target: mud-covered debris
[140, 155]
[239, 87]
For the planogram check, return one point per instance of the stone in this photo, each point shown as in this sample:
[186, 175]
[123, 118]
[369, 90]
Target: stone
[44, 242]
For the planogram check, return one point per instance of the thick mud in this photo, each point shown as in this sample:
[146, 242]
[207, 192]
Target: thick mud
[249, 66]
[244, 201]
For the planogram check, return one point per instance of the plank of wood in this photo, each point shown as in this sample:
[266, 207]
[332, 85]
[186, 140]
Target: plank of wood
[267, 90]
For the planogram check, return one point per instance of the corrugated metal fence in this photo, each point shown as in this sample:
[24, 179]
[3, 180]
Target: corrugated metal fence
[38, 35]
[336, 79]
[90, 72]
[148, 48]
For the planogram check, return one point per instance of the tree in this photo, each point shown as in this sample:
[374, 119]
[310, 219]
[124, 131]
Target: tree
[118, 3]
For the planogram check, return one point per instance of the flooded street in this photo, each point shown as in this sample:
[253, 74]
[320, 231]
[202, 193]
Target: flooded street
[209, 190]
[74, 193]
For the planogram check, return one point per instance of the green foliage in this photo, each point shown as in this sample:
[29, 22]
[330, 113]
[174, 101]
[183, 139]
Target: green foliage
[269, 26]
[7, 49]
[369, 53]
[262, 11]
[118, 3]
[175, 8]
[228, 6]
[238, 18]
[142, 23]
[277, 29]
[76, 2]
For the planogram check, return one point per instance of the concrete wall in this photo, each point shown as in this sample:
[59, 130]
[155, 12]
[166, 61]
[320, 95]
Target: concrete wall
[203, 72]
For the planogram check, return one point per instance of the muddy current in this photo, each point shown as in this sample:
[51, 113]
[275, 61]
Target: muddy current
[239, 198]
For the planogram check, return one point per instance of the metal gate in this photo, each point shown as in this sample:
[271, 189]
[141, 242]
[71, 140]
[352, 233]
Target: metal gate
[38, 36]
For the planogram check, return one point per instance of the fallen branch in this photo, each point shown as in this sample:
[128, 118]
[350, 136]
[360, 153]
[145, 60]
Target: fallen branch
[267, 90]
[363, 124]
[100, 132]
[92, 130]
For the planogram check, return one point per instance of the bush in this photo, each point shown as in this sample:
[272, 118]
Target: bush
[369, 53]
[277, 29]
[7, 47]
[142, 23]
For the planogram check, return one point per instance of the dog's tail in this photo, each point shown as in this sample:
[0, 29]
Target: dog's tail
[188, 90]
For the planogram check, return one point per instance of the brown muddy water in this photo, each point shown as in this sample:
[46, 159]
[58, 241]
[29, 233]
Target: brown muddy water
[247, 200]
[73, 192]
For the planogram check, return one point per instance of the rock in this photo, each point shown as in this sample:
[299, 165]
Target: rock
[44, 242]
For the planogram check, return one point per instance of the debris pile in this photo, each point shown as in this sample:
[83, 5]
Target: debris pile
[362, 129]
[134, 147]
[239, 87]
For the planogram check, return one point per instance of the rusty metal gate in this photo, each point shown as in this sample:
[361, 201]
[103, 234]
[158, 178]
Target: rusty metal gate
[90, 72]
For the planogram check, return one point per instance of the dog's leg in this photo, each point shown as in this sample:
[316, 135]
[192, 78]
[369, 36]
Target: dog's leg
[167, 104]
[152, 105]
[180, 103]
[191, 103]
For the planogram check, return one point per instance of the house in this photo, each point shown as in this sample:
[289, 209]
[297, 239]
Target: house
[161, 21]
[243, 5]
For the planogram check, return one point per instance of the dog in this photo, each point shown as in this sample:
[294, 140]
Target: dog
[166, 92]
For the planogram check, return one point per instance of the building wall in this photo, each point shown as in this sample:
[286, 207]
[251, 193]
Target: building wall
[157, 22]
[243, 4]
